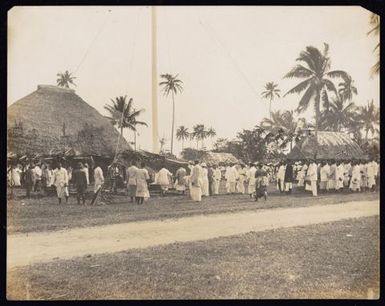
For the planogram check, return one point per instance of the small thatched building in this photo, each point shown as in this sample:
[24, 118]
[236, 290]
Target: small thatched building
[54, 120]
[331, 145]
[218, 158]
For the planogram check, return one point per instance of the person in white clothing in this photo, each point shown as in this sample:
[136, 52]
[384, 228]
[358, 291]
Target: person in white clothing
[86, 171]
[339, 176]
[131, 180]
[61, 182]
[324, 176]
[250, 177]
[15, 176]
[240, 187]
[205, 180]
[231, 177]
[217, 175]
[281, 177]
[164, 179]
[312, 178]
[332, 175]
[347, 173]
[355, 182]
[364, 175]
[98, 178]
[196, 182]
[371, 173]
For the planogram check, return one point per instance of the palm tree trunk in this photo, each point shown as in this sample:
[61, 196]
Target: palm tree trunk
[173, 118]
[366, 135]
[317, 110]
[135, 140]
[270, 108]
[182, 144]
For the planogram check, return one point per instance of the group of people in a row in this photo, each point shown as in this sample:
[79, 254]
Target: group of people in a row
[329, 175]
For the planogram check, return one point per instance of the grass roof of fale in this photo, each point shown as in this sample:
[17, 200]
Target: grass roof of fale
[56, 119]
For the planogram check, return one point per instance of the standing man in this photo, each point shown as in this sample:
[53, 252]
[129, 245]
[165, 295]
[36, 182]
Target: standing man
[347, 173]
[332, 175]
[241, 179]
[205, 180]
[355, 182]
[312, 178]
[86, 171]
[210, 173]
[98, 177]
[196, 182]
[61, 182]
[38, 173]
[324, 176]
[339, 176]
[281, 177]
[131, 180]
[79, 180]
[217, 175]
[28, 181]
[289, 177]
[250, 177]
[231, 177]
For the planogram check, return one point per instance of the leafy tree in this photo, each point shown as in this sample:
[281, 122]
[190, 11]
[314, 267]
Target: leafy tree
[199, 133]
[369, 118]
[339, 116]
[375, 23]
[271, 91]
[182, 133]
[315, 69]
[347, 89]
[171, 85]
[211, 133]
[123, 115]
[65, 79]
[283, 125]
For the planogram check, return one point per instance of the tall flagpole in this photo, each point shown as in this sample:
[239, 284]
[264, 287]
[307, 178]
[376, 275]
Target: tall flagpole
[155, 133]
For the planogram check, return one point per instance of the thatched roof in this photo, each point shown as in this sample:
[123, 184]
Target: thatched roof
[152, 160]
[331, 145]
[56, 119]
[216, 158]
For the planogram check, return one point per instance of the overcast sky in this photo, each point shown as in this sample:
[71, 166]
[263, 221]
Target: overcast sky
[224, 55]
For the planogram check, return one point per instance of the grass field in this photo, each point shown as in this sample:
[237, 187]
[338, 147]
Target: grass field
[331, 260]
[36, 215]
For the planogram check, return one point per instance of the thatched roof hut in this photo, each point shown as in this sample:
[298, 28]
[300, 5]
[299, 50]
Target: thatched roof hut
[152, 160]
[218, 158]
[331, 145]
[54, 119]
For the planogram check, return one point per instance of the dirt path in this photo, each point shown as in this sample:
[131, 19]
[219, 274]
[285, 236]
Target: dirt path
[24, 249]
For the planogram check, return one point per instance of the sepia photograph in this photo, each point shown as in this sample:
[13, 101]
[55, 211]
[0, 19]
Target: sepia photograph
[193, 152]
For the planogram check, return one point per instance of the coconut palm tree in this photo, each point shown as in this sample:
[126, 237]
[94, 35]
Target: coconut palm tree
[283, 124]
[182, 133]
[271, 91]
[171, 85]
[65, 79]
[375, 23]
[123, 115]
[211, 133]
[347, 89]
[199, 133]
[339, 116]
[317, 75]
[369, 118]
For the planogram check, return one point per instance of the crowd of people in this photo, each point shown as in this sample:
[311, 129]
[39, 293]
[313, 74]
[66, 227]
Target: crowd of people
[201, 179]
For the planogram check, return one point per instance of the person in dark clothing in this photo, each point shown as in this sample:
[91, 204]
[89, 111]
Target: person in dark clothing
[210, 173]
[79, 180]
[29, 180]
[289, 177]
[261, 182]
